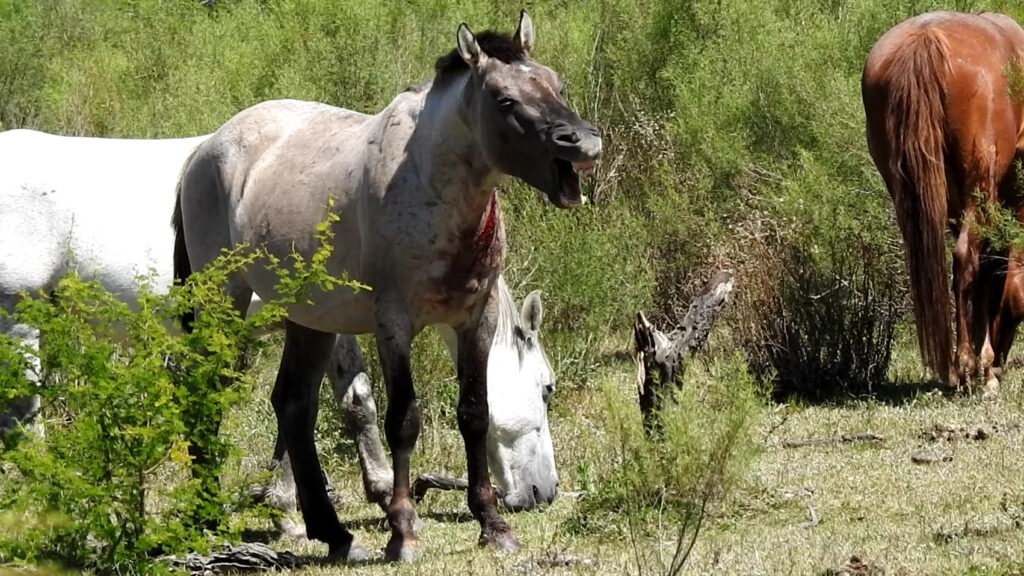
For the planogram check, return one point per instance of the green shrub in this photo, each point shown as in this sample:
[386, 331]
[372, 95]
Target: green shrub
[124, 394]
[684, 473]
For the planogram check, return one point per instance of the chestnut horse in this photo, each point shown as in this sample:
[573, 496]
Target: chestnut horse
[944, 130]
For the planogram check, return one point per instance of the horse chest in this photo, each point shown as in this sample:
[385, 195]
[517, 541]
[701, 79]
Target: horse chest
[461, 274]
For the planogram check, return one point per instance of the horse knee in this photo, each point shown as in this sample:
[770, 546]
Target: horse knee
[402, 423]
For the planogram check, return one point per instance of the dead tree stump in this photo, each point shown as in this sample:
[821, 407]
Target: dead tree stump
[660, 357]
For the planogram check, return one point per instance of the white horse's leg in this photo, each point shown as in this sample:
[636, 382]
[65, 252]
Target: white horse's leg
[22, 411]
[352, 389]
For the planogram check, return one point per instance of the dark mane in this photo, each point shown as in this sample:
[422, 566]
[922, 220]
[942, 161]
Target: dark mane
[494, 44]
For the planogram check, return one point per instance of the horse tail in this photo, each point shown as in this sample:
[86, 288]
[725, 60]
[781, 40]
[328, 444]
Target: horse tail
[915, 130]
[182, 266]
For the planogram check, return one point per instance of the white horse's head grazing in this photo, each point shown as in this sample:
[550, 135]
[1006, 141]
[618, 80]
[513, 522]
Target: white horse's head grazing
[519, 382]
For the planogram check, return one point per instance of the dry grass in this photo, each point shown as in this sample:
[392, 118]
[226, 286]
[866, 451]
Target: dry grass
[961, 516]
[871, 500]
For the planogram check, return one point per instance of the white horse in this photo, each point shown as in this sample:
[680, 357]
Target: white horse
[102, 206]
[417, 218]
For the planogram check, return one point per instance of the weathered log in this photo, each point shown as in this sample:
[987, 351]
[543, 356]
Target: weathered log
[844, 439]
[660, 357]
[427, 481]
[247, 557]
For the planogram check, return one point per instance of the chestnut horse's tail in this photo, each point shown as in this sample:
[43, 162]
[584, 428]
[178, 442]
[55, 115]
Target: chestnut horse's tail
[915, 130]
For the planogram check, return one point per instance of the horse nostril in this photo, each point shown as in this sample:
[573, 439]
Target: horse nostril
[569, 137]
[536, 493]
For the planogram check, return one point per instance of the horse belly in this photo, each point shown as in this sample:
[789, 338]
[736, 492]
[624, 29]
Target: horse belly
[342, 310]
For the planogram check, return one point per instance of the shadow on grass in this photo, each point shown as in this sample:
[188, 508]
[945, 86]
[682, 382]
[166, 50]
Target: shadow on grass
[892, 393]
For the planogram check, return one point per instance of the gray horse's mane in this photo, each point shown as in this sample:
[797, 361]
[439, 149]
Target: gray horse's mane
[494, 44]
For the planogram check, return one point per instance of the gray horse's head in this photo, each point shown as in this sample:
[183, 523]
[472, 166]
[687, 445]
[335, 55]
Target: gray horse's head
[523, 126]
[519, 382]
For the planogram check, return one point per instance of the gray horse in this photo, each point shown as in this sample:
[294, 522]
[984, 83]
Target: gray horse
[412, 188]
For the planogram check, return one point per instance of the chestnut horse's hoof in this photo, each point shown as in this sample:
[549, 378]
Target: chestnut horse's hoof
[401, 549]
[502, 540]
[991, 390]
[351, 553]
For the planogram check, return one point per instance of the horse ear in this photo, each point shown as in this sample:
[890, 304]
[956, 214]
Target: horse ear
[532, 312]
[468, 47]
[524, 34]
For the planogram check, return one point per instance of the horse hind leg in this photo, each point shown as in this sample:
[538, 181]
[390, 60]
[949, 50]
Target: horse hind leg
[976, 277]
[202, 423]
[986, 328]
[22, 412]
[303, 363]
[966, 253]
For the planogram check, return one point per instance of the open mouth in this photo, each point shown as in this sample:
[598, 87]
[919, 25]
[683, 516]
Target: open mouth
[567, 193]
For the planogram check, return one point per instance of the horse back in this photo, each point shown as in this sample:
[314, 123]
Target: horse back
[100, 205]
[264, 179]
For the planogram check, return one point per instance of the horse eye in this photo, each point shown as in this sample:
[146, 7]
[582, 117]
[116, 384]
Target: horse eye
[506, 103]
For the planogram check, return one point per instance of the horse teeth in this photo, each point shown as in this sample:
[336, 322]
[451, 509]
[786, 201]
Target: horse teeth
[584, 169]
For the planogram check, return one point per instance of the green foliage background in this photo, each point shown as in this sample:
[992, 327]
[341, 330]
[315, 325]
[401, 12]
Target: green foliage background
[719, 116]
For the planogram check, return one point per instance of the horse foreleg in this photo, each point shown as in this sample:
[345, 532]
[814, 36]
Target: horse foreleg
[402, 427]
[474, 346]
[303, 363]
[351, 386]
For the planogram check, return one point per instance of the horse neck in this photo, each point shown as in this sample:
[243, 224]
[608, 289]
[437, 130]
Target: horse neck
[445, 150]
[508, 315]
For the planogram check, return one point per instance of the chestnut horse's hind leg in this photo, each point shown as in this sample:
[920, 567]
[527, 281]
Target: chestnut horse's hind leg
[966, 276]
[401, 426]
[303, 363]
[1008, 311]
[473, 347]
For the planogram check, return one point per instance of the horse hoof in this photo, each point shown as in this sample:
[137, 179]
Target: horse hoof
[353, 553]
[292, 529]
[402, 550]
[502, 541]
[991, 391]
